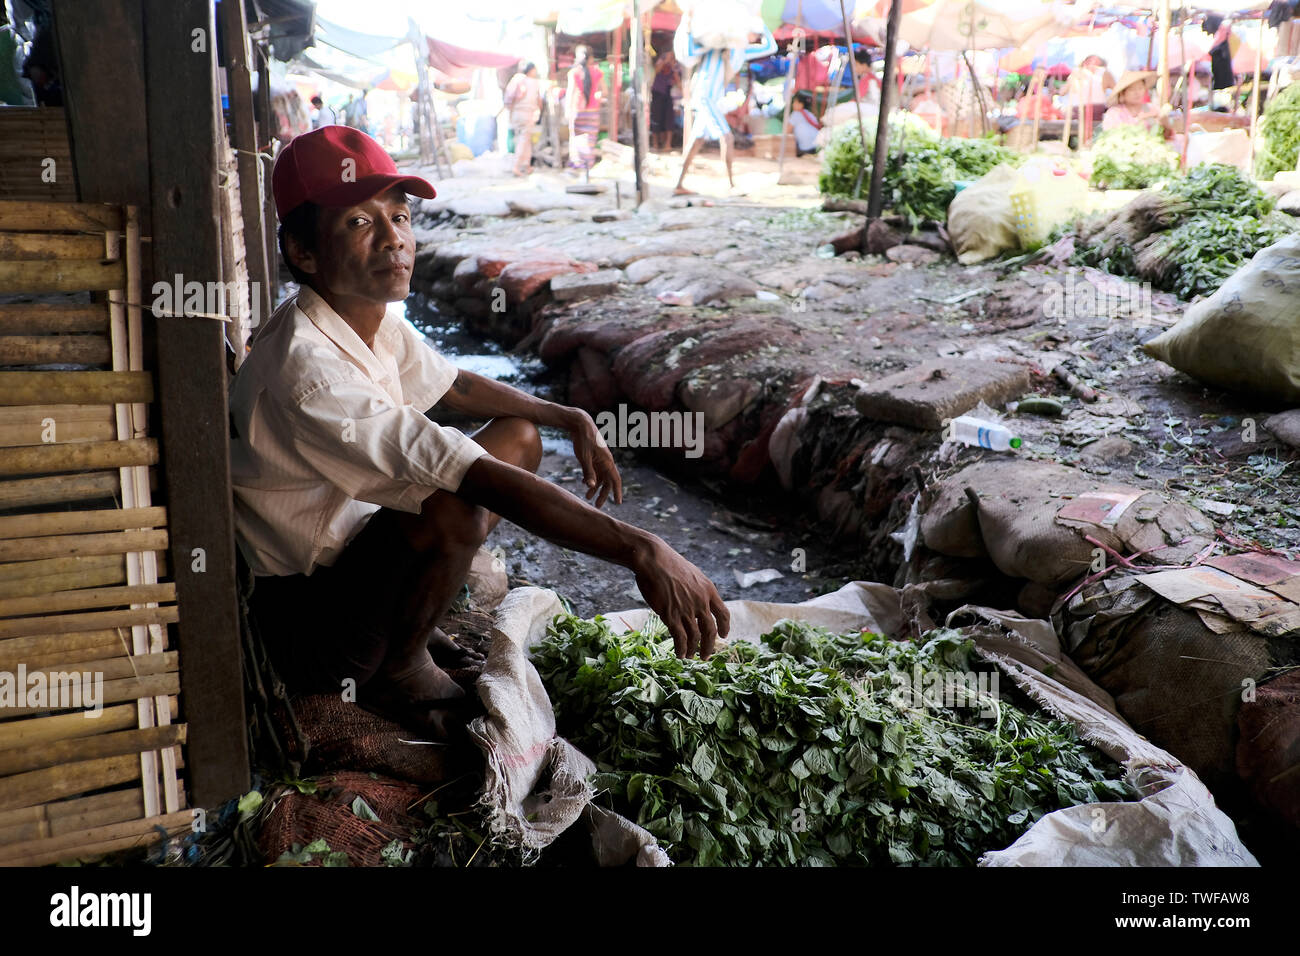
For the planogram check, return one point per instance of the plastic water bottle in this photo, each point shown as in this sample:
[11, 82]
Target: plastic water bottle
[982, 434]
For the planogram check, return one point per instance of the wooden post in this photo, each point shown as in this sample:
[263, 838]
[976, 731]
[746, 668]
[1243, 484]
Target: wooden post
[793, 51]
[183, 117]
[853, 75]
[243, 137]
[640, 102]
[615, 84]
[266, 135]
[874, 197]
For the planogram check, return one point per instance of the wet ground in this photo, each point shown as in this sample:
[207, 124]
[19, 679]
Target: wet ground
[718, 532]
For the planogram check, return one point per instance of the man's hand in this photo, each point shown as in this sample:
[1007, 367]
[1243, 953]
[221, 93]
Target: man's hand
[685, 600]
[599, 473]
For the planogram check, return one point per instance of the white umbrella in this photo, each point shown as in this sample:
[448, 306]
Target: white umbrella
[985, 24]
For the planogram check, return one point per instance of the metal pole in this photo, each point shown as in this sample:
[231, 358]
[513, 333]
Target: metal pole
[874, 197]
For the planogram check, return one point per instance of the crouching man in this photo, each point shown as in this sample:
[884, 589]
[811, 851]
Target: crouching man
[359, 515]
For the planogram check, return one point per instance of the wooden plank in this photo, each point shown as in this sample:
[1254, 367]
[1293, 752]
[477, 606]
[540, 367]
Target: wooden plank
[42, 786]
[73, 545]
[48, 245]
[49, 754]
[12, 436]
[96, 620]
[36, 318]
[73, 522]
[18, 215]
[84, 844]
[185, 133]
[75, 388]
[57, 489]
[37, 730]
[115, 691]
[51, 349]
[77, 456]
[62, 275]
[87, 598]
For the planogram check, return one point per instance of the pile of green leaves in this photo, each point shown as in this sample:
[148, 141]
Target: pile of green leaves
[1280, 129]
[921, 171]
[1132, 157]
[1216, 221]
[808, 749]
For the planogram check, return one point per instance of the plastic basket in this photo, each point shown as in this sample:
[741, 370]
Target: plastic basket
[1040, 207]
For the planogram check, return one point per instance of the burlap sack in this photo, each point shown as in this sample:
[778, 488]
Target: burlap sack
[981, 219]
[1021, 531]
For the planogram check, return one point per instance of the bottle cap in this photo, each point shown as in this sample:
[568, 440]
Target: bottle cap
[1014, 443]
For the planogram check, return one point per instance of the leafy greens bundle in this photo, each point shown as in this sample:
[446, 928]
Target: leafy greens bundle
[811, 748]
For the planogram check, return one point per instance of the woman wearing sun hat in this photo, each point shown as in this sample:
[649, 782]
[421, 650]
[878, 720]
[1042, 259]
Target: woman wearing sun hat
[1127, 101]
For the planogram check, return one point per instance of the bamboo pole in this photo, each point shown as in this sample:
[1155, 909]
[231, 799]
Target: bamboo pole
[62, 414]
[20, 214]
[58, 546]
[1162, 84]
[85, 598]
[77, 456]
[47, 319]
[48, 350]
[74, 388]
[793, 52]
[56, 489]
[47, 730]
[12, 436]
[48, 754]
[857, 98]
[95, 620]
[67, 816]
[62, 275]
[67, 581]
[119, 667]
[53, 783]
[127, 688]
[1254, 93]
[97, 841]
[49, 648]
[72, 522]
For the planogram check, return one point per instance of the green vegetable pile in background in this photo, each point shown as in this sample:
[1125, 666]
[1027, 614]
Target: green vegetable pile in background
[1132, 157]
[807, 749]
[920, 173]
[1188, 237]
[1279, 128]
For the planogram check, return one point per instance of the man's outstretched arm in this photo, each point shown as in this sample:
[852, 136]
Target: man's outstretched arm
[480, 397]
[685, 600]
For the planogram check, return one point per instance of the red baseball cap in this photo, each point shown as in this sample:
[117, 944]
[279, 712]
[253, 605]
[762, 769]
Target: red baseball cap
[314, 167]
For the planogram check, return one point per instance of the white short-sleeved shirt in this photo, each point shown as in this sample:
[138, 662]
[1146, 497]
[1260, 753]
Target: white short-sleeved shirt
[326, 431]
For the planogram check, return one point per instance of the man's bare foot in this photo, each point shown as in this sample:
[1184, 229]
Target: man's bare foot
[420, 679]
[683, 191]
[447, 653]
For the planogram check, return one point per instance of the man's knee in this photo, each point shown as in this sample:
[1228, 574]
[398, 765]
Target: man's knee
[517, 441]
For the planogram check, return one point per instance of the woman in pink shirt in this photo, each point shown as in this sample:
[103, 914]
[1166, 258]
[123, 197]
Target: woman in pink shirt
[582, 102]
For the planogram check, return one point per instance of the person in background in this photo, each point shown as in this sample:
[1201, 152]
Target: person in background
[1038, 106]
[708, 86]
[523, 97]
[1128, 106]
[663, 120]
[582, 103]
[42, 68]
[322, 115]
[1090, 87]
[805, 125]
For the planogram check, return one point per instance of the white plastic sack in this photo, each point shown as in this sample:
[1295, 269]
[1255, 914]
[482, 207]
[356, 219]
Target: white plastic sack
[981, 220]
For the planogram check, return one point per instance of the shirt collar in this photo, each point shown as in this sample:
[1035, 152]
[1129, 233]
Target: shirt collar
[333, 326]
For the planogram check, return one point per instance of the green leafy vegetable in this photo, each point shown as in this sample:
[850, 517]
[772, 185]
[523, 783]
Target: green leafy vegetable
[811, 748]
[1132, 157]
[1279, 128]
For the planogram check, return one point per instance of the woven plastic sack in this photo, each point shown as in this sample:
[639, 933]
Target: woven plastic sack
[1246, 336]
